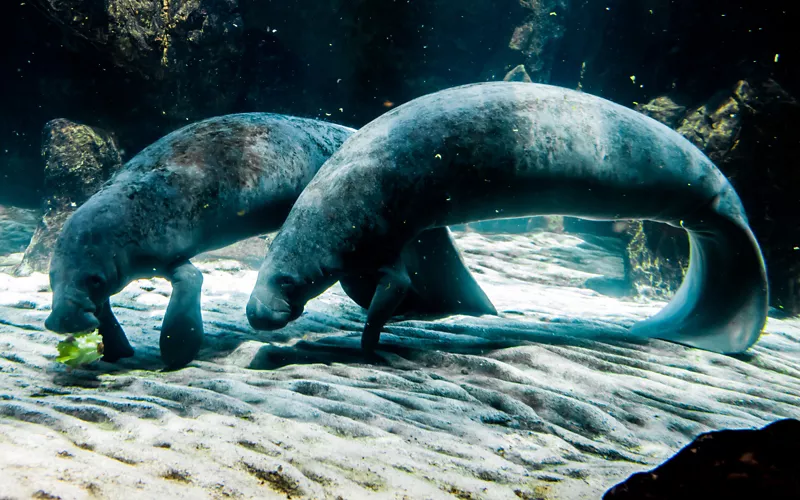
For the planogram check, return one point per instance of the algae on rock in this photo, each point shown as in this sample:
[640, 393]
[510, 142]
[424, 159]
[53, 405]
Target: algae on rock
[734, 128]
[78, 159]
[536, 37]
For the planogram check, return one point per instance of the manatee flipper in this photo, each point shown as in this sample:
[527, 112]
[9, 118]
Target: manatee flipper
[440, 279]
[115, 343]
[722, 304]
[393, 283]
[360, 288]
[182, 328]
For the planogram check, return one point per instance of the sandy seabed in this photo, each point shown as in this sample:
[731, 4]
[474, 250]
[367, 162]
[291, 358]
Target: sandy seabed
[551, 400]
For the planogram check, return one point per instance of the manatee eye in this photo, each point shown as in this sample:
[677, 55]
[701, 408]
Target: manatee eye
[95, 282]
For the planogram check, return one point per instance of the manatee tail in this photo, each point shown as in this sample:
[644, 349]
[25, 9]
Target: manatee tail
[722, 304]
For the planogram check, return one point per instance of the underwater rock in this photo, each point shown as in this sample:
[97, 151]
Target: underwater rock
[762, 164]
[714, 125]
[663, 109]
[539, 35]
[78, 159]
[656, 258]
[657, 255]
[518, 74]
[747, 131]
[188, 50]
[729, 464]
[16, 228]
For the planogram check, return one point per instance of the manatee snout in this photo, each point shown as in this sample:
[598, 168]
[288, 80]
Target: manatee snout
[72, 317]
[267, 310]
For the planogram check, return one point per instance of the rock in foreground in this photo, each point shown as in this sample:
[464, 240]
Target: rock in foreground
[726, 464]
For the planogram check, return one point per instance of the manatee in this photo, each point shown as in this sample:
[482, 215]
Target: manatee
[501, 150]
[200, 188]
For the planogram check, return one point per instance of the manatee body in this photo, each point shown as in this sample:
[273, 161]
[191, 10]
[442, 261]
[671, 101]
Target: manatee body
[500, 150]
[200, 188]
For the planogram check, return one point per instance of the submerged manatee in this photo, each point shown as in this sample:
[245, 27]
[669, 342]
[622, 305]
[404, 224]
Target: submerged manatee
[199, 188]
[500, 150]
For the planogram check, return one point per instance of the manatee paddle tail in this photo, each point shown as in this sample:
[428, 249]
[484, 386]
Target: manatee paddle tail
[722, 304]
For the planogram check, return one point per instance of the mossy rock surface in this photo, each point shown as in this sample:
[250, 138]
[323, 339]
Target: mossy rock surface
[78, 159]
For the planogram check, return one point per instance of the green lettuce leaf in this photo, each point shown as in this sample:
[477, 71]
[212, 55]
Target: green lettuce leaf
[80, 349]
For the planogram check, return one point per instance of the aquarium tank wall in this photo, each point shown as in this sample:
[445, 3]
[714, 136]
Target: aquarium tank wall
[500, 249]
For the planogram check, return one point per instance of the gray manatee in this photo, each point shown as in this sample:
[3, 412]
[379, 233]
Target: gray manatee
[203, 187]
[501, 150]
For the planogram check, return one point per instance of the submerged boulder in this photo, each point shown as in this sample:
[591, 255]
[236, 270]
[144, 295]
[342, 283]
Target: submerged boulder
[748, 133]
[518, 74]
[663, 109]
[656, 258]
[78, 159]
[188, 50]
[728, 464]
[538, 36]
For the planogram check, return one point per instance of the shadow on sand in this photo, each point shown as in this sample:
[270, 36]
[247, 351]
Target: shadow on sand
[463, 335]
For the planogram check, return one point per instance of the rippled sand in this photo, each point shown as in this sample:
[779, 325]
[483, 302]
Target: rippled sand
[551, 400]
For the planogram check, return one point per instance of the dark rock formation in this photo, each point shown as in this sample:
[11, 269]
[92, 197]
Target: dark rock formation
[143, 68]
[189, 49]
[538, 37]
[663, 109]
[518, 74]
[78, 160]
[762, 164]
[731, 464]
[656, 258]
[748, 132]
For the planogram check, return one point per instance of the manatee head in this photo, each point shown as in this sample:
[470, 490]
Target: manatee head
[270, 306]
[288, 278]
[83, 274]
[278, 296]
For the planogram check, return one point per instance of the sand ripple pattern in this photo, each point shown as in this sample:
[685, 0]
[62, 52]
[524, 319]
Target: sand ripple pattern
[551, 400]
